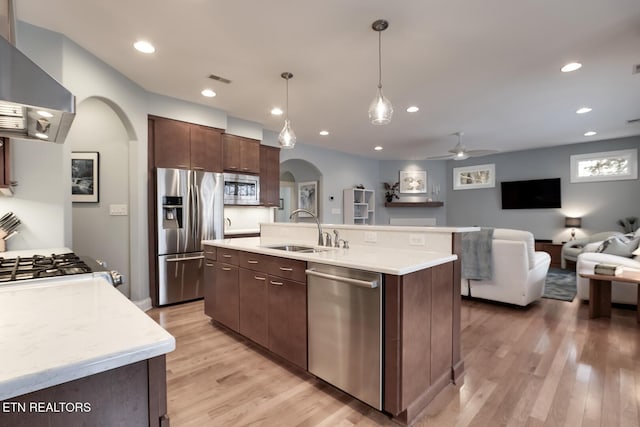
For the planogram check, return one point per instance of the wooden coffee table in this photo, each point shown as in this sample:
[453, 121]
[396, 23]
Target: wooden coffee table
[600, 292]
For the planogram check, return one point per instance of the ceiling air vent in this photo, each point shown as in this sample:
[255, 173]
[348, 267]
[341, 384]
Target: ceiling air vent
[220, 79]
[636, 69]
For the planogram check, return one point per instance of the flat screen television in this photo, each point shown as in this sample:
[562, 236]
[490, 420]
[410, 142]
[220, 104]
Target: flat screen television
[531, 194]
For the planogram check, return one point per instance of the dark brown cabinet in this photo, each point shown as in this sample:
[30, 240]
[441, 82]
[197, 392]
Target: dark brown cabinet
[268, 297]
[553, 249]
[269, 175]
[5, 167]
[288, 320]
[240, 154]
[209, 279]
[183, 145]
[226, 295]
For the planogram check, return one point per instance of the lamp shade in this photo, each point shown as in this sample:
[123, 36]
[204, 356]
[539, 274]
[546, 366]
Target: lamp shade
[570, 222]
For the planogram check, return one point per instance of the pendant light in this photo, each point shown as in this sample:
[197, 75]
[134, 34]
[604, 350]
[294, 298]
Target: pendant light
[287, 137]
[380, 110]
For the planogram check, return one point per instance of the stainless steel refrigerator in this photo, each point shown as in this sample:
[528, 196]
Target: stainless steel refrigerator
[189, 209]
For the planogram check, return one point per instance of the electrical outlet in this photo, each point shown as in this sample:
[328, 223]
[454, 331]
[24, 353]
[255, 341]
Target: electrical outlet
[336, 211]
[118, 210]
[370, 236]
[416, 239]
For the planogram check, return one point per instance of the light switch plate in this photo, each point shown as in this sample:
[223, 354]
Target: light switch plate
[336, 211]
[118, 210]
[370, 236]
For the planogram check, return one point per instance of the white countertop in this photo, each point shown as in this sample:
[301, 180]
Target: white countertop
[371, 258]
[54, 331]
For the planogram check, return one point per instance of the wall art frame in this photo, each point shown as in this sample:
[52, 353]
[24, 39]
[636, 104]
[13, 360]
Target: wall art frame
[605, 166]
[473, 177]
[308, 197]
[413, 182]
[85, 177]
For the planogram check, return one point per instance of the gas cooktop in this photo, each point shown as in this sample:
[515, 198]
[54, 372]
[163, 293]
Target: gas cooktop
[39, 266]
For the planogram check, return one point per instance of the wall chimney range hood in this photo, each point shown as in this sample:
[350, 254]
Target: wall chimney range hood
[33, 105]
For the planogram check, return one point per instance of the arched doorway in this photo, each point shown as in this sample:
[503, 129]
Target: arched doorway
[293, 172]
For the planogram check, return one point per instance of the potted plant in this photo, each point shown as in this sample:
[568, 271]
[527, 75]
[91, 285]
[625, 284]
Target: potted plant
[392, 191]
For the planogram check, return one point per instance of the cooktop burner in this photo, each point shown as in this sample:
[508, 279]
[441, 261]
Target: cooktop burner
[39, 266]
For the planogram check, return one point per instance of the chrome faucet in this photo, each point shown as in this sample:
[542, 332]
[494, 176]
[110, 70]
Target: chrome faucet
[297, 211]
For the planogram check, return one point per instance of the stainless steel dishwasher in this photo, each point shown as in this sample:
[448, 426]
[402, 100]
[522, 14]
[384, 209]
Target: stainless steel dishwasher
[345, 329]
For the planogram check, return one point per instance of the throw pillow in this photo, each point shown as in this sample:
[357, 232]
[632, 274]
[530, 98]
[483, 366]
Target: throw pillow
[636, 252]
[591, 247]
[619, 245]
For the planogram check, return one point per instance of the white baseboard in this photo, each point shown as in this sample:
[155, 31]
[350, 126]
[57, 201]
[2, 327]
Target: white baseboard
[144, 304]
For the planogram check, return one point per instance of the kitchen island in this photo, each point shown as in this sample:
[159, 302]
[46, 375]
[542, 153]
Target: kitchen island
[75, 351]
[420, 307]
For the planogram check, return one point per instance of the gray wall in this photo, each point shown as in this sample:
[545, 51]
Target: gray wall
[436, 175]
[600, 204]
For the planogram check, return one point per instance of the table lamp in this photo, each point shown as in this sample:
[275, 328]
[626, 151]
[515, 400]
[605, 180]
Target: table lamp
[573, 223]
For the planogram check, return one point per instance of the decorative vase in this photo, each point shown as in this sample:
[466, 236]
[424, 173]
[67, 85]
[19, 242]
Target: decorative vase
[389, 198]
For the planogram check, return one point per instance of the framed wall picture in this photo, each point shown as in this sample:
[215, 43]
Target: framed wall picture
[605, 166]
[413, 182]
[308, 197]
[471, 177]
[85, 177]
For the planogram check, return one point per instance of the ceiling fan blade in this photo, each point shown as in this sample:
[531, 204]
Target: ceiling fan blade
[478, 153]
[445, 157]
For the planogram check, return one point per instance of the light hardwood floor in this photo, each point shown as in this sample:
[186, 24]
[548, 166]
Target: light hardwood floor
[546, 365]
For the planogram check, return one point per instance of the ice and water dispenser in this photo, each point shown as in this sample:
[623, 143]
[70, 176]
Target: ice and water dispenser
[172, 212]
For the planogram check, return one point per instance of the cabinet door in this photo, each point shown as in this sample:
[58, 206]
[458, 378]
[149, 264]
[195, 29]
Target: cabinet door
[288, 320]
[171, 145]
[269, 176]
[253, 306]
[206, 149]
[226, 295]
[249, 155]
[231, 152]
[209, 287]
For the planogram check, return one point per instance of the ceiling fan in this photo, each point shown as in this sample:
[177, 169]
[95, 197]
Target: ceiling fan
[460, 152]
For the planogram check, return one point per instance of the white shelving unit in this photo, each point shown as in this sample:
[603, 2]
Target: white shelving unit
[359, 206]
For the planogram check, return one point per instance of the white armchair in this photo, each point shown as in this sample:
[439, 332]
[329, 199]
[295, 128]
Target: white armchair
[519, 272]
[573, 248]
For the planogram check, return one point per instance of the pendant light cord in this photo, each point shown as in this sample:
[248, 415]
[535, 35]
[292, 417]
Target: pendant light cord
[379, 59]
[286, 117]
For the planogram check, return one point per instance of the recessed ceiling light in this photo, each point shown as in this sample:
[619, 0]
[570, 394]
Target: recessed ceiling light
[45, 114]
[583, 110]
[144, 46]
[324, 132]
[277, 111]
[412, 109]
[590, 133]
[377, 148]
[42, 135]
[571, 66]
[208, 93]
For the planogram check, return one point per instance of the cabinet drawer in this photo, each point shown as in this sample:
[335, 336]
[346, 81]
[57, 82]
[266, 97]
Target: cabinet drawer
[210, 252]
[286, 268]
[253, 261]
[228, 256]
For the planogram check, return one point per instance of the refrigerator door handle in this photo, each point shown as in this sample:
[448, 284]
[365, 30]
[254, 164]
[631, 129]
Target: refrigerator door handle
[187, 258]
[196, 212]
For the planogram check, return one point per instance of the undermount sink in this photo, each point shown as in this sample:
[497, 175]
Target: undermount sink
[297, 248]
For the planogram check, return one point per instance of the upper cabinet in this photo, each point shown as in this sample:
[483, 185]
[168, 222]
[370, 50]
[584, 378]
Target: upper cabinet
[183, 145]
[269, 176]
[240, 154]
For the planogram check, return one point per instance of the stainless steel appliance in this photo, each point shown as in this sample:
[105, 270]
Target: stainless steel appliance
[241, 189]
[189, 210]
[33, 105]
[24, 268]
[345, 329]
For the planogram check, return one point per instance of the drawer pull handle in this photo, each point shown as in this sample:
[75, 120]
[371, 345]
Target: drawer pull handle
[259, 278]
[226, 268]
[226, 255]
[286, 268]
[252, 261]
[276, 283]
[208, 264]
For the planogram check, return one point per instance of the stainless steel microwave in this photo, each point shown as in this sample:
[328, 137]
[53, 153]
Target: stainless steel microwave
[241, 189]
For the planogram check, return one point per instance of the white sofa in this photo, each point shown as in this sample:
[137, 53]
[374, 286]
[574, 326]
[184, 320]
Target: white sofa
[519, 272]
[623, 293]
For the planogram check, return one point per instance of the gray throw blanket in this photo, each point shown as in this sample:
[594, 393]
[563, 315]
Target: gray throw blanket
[476, 254]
